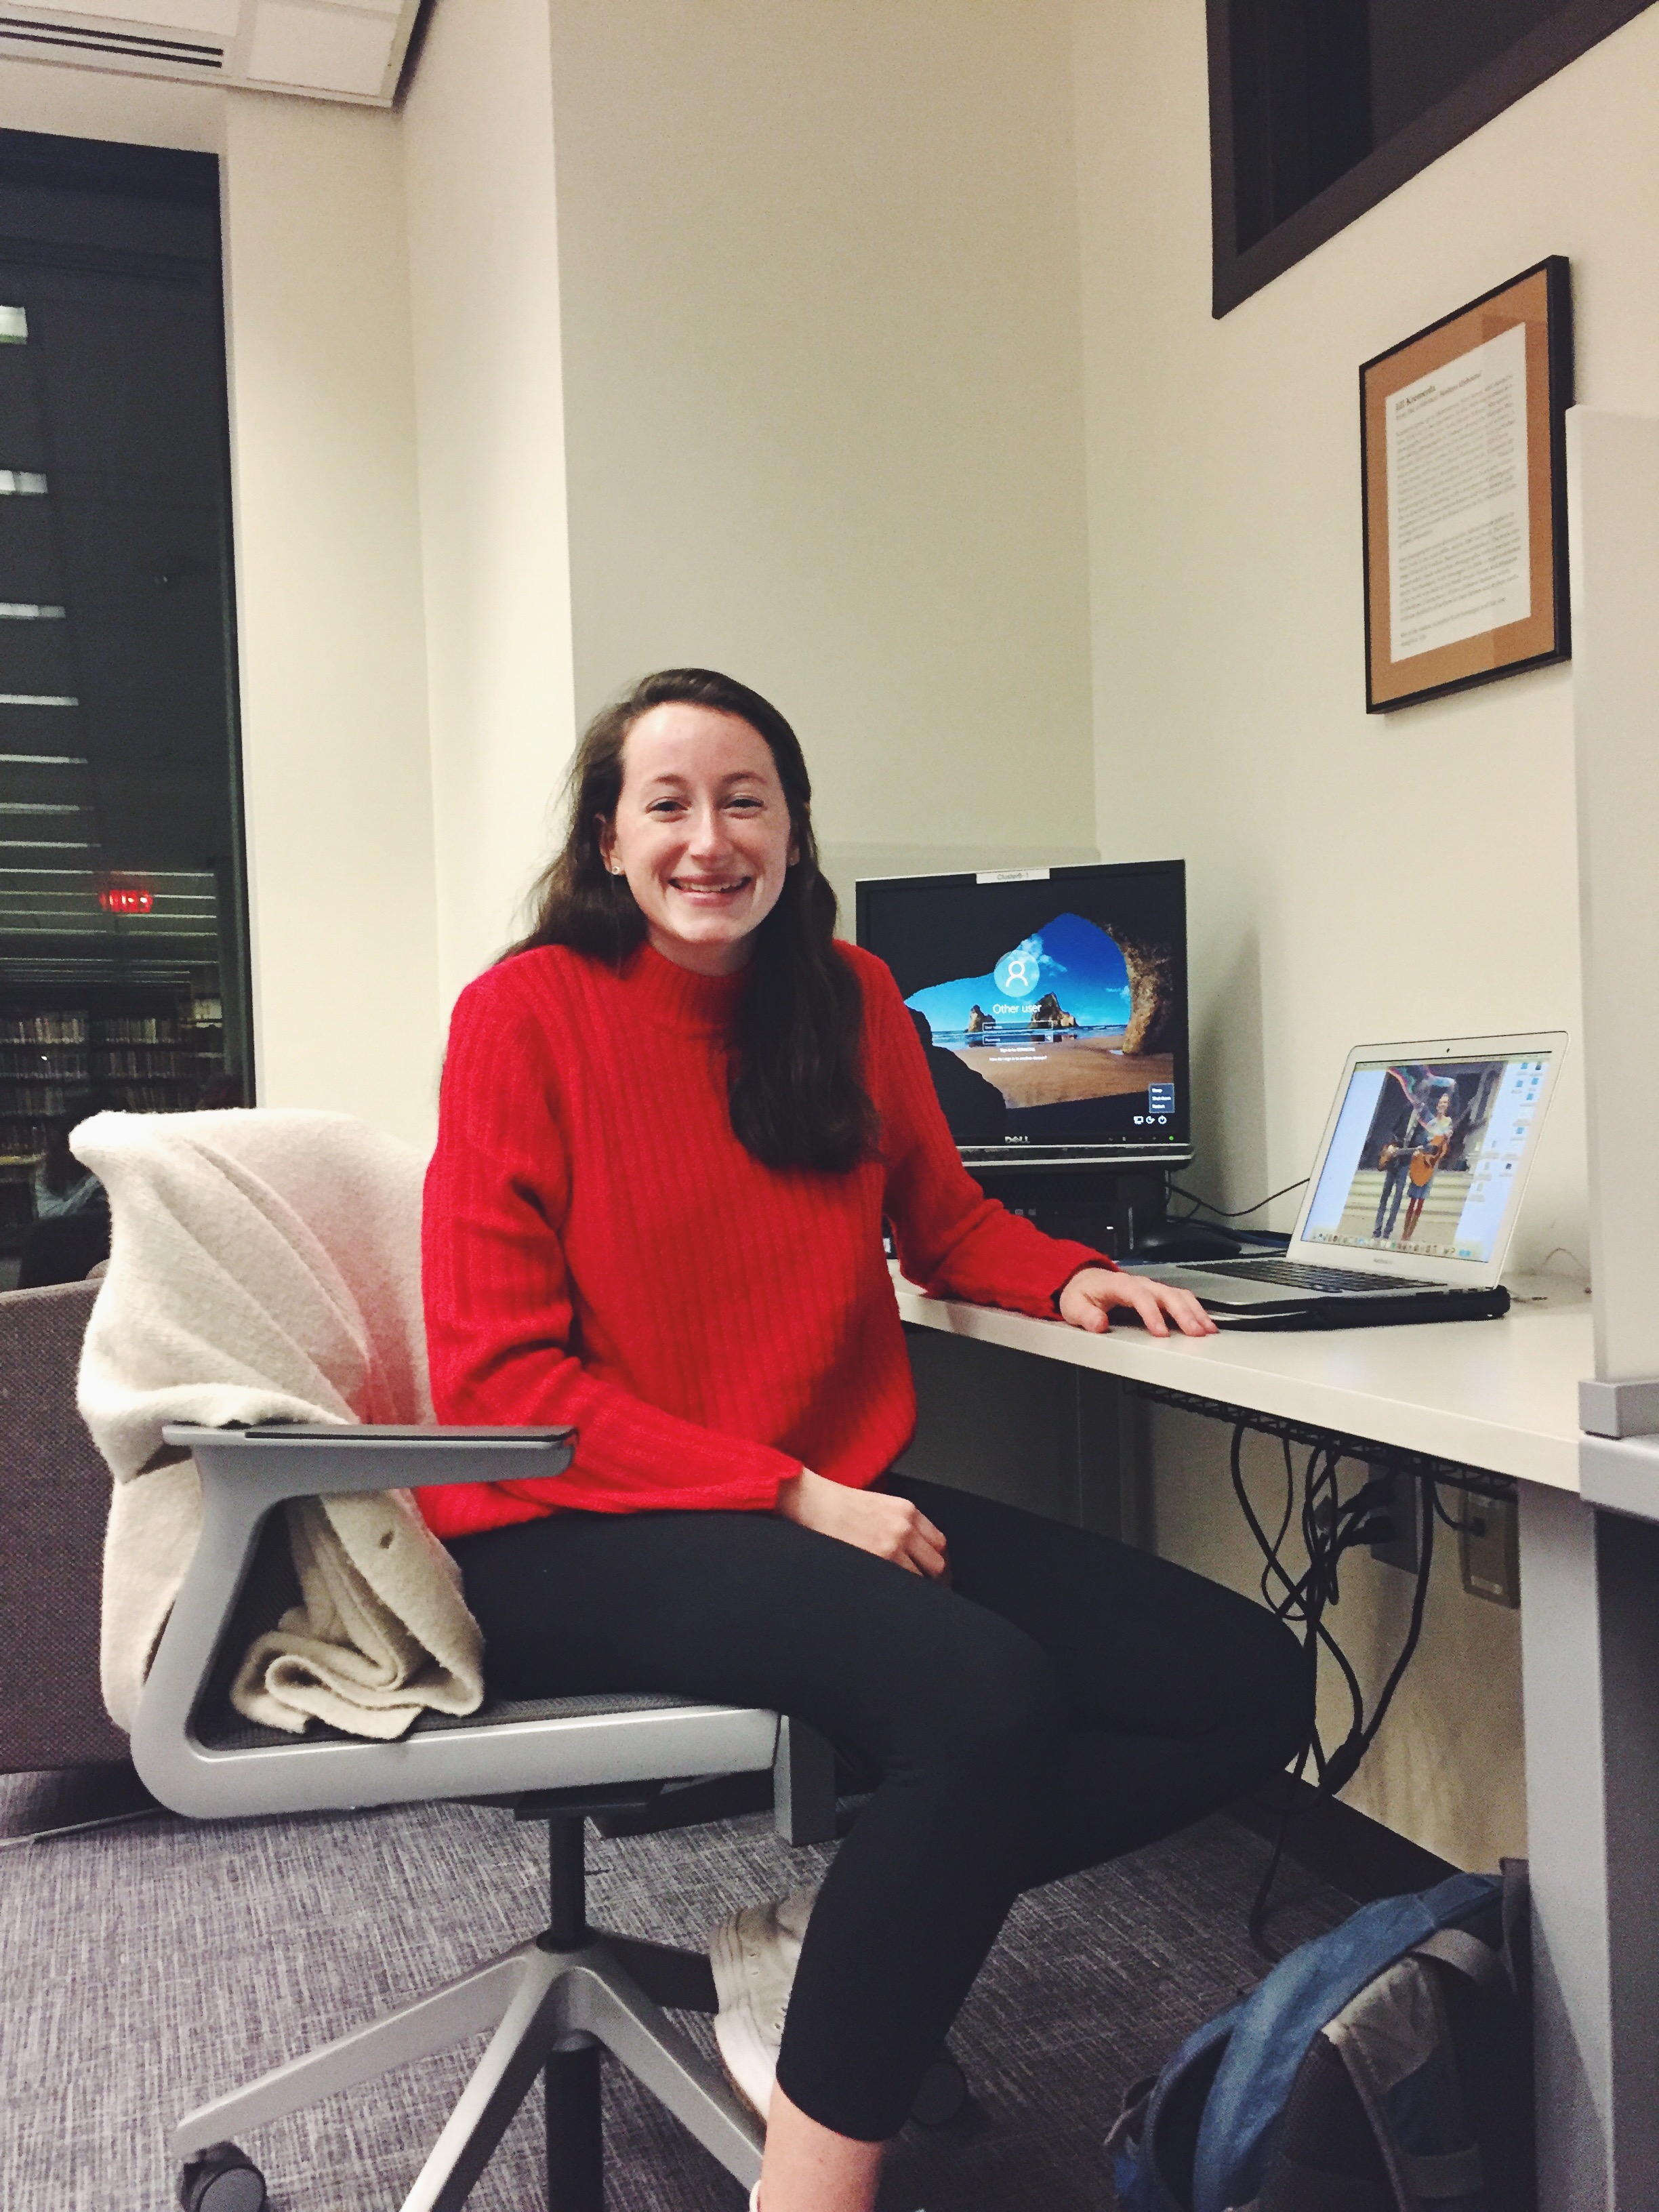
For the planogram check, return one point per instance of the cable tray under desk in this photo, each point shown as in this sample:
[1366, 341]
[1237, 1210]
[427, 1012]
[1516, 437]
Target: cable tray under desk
[1479, 1482]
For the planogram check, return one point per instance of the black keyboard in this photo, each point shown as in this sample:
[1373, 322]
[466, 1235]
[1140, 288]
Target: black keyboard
[1297, 1275]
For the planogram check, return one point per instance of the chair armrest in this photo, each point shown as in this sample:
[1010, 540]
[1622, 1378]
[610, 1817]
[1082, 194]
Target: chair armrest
[279, 1460]
[245, 1475]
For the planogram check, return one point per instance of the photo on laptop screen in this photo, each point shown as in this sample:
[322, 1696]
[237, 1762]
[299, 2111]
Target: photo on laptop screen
[1426, 1156]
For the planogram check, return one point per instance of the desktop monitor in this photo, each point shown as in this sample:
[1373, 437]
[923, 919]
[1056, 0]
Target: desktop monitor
[1051, 1005]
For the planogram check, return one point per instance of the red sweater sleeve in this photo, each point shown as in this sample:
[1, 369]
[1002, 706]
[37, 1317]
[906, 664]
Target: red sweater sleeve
[952, 1240]
[501, 1320]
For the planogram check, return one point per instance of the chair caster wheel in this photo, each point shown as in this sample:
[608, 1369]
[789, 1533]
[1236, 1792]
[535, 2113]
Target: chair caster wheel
[221, 2179]
[943, 2095]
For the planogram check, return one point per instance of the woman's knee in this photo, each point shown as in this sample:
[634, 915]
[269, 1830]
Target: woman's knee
[989, 1703]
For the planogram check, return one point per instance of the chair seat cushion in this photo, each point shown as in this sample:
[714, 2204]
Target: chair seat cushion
[229, 1732]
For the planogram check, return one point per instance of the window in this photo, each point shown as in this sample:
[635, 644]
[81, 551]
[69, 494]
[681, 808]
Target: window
[1321, 108]
[122, 936]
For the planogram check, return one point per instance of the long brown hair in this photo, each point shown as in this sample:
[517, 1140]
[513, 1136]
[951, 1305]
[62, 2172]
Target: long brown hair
[797, 1096]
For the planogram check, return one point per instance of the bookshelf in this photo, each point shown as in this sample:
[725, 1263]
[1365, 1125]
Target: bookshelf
[89, 1050]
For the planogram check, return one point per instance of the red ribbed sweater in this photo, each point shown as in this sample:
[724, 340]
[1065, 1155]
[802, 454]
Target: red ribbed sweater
[599, 1248]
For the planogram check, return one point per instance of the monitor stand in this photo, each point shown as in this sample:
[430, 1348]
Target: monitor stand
[1105, 1208]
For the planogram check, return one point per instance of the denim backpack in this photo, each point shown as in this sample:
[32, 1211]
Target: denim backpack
[1386, 2067]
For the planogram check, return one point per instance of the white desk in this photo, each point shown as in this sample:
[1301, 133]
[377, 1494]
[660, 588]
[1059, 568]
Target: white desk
[1499, 1396]
[1496, 1395]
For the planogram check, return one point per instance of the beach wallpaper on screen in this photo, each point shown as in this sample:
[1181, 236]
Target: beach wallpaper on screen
[1068, 1013]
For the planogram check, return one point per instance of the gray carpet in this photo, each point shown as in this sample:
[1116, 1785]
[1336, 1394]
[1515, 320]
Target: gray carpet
[144, 1969]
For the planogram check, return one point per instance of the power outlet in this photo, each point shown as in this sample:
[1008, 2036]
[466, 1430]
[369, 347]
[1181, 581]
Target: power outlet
[1489, 1549]
[1402, 1549]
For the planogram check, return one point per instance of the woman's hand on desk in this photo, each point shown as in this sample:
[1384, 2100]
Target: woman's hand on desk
[892, 1528]
[1088, 1299]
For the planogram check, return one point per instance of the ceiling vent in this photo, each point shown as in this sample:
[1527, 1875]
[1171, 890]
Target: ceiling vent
[321, 49]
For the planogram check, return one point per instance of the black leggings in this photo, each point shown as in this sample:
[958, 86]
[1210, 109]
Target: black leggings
[1066, 1699]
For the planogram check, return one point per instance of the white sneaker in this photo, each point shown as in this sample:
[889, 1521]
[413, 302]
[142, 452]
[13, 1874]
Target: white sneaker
[754, 1955]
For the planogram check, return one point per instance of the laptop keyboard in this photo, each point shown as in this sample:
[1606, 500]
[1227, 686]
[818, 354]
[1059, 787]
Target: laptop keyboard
[1297, 1275]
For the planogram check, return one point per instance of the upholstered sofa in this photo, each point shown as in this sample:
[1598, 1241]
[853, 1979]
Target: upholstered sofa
[54, 1499]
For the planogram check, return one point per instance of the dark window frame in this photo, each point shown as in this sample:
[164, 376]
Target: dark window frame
[175, 176]
[1529, 63]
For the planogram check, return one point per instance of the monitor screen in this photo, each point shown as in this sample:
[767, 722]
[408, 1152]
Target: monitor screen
[1051, 1005]
[1426, 1157]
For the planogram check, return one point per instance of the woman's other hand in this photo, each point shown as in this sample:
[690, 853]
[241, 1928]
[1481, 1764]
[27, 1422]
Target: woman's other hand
[892, 1528]
[1088, 1300]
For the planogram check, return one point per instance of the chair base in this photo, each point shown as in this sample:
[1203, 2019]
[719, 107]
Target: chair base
[553, 2005]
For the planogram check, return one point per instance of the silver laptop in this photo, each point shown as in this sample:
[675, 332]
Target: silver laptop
[1413, 1196]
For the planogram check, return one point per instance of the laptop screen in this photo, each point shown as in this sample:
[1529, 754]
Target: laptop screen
[1426, 1157]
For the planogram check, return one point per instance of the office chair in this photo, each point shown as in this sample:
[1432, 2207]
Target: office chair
[552, 2003]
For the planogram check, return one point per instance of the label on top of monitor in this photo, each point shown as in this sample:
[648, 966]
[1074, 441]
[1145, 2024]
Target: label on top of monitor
[1012, 876]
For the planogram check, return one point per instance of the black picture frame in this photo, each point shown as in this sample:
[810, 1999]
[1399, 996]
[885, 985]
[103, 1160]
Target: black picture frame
[1539, 299]
[1533, 59]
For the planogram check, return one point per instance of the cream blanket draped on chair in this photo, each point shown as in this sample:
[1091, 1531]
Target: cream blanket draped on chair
[264, 1266]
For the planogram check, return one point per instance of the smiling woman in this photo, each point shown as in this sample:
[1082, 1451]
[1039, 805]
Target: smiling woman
[701, 832]
[672, 1123]
[691, 830]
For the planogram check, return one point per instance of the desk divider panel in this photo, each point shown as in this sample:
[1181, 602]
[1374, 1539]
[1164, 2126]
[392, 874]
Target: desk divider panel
[1591, 1576]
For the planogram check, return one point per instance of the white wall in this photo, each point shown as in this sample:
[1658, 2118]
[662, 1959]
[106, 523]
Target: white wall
[76, 103]
[483, 258]
[332, 655]
[332, 658]
[819, 280]
[1350, 876]
[825, 427]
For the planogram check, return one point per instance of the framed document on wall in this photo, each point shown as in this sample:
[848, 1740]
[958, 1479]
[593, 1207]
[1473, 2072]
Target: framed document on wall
[1462, 436]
